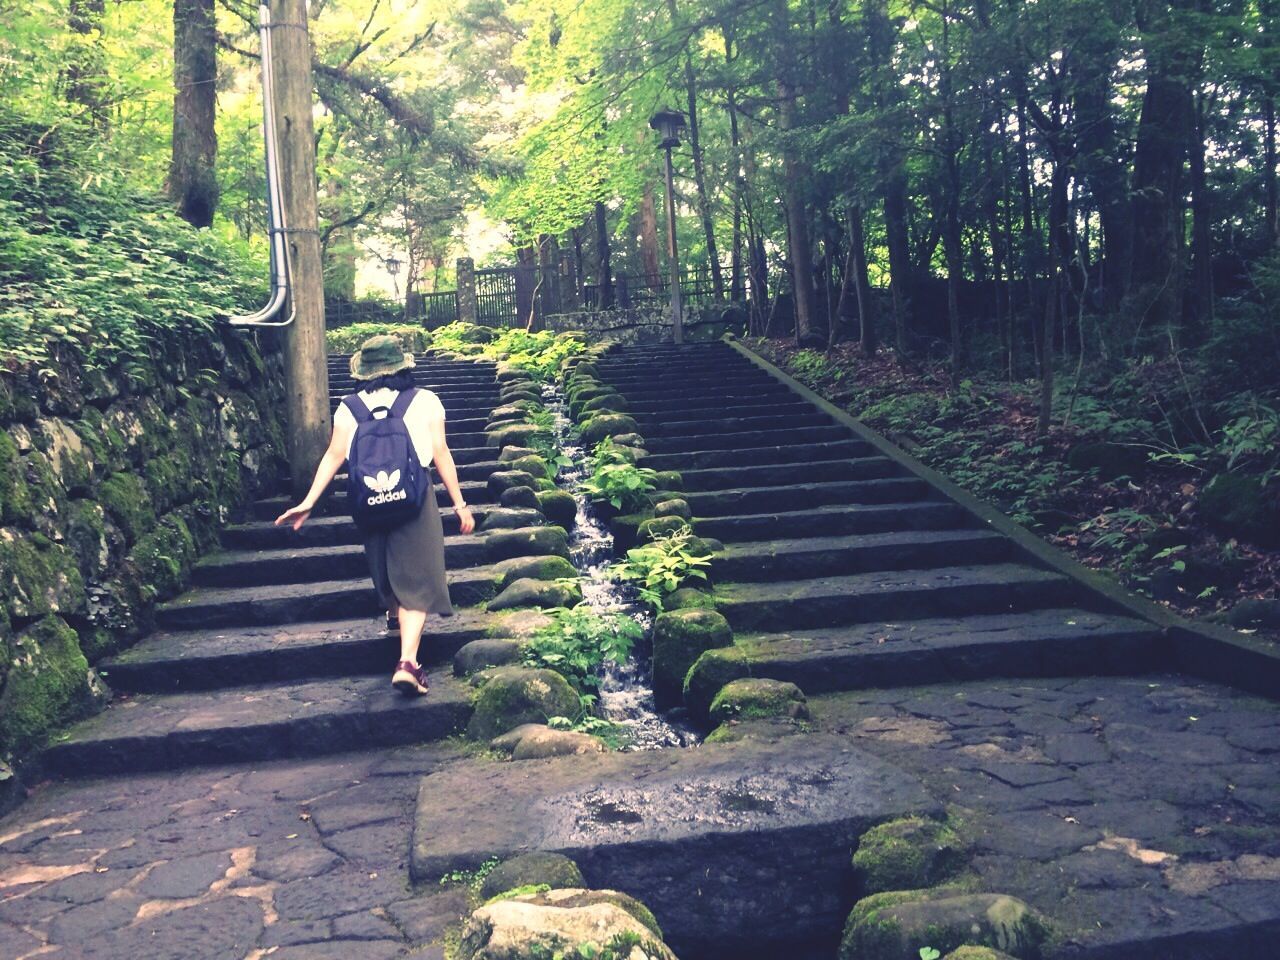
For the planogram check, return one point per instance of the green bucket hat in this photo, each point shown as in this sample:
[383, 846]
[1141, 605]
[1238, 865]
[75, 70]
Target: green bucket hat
[379, 356]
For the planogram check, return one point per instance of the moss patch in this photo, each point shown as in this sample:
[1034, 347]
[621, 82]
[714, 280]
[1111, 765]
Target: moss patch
[908, 853]
[47, 682]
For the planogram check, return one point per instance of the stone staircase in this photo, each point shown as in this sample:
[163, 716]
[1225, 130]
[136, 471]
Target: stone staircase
[279, 648]
[841, 569]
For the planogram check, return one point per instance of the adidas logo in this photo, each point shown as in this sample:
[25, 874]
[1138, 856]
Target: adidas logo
[383, 483]
[387, 498]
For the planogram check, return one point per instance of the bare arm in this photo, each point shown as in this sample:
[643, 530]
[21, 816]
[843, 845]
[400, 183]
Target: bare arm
[330, 464]
[443, 459]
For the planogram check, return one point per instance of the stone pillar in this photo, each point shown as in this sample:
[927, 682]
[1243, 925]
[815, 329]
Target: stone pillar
[467, 289]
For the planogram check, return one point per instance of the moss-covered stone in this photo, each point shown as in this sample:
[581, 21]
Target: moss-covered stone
[37, 576]
[1242, 506]
[711, 671]
[163, 557]
[680, 637]
[87, 537]
[485, 653]
[674, 507]
[655, 527]
[72, 461]
[529, 592]
[501, 480]
[605, 403]
[559, 507]
[629, 439]
[553, 870]
[526, 541]
[47, 683]
[516, 434]
[534, 568]
[605, 425]
[520, 498]
[976, 953]
[510, 453]
[533, 464]
[668, 480]
[897, 925]
[907, 854]
[515, 695]
[757, 698]
[498, 518]
[510, 413]
[763, 730]
[518, 392]
[125, 499]
[685, 598]
[15, 498]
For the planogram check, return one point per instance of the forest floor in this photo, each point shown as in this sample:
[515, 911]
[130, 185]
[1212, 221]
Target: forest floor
[1141, 525]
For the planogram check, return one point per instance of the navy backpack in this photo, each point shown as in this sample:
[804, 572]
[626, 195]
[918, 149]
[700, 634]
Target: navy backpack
[386, 484]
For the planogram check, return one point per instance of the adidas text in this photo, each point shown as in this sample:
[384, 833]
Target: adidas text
[387, 498]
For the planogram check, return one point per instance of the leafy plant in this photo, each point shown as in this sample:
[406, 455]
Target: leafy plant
[470, 878]
[578, 641]
[614, 735]
[664, 565]
[348, 339]
[622, 484]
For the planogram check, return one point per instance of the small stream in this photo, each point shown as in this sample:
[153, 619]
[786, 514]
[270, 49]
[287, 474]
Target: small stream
[626, 696]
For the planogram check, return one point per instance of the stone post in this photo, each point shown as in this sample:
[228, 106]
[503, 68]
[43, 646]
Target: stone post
[467, 289]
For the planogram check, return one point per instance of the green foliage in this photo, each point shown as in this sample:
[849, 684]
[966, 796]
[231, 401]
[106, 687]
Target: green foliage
[661, 567]
[617, 480]
[614, 735]
[472, 879]
[578, 641]
[347, 339]
[90, 264]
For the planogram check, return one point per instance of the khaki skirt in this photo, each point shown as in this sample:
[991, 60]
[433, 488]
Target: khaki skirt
[407, 563]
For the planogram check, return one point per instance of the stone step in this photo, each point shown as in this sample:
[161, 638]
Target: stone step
[209, 659]
[297, 602]
[335, 501]
[699, 391]
[457, 403]
[886, 595]
[751, 455]
[796, 559]
[740, 849]
[835, 520]
[684, 371]
[319, 531]
[256, 723]
[1039, 643]
[478, 470]
[802, 497]
[774, 474]
[724, 422]
[643, 410]
[752, 438]
[248, 568]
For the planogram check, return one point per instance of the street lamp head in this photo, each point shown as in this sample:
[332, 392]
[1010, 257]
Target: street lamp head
[669, 124]
[393, 265]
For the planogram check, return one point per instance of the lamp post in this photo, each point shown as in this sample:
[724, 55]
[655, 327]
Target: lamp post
[393, 268]
[669, 124]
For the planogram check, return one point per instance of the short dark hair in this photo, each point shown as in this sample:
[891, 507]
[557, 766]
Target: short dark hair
[400, 380]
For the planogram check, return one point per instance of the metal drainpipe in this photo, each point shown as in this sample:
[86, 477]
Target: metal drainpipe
[276, 226]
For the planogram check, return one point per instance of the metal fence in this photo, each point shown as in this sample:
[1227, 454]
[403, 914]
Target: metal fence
[629, 290]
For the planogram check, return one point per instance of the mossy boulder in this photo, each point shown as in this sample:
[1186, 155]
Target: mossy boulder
[537, 741]
[522, 498]
[897, 925]
[668, 480]
[15, 498]
[1111, 460]
[605, 425]
[674, 507]
[485, 653]
[533, 464]
[709, 673]
[680, 637]
[552, 870]
[559, 507]
[164, 556]
[515, 434]
[532, 568]
[88, 538]
[505, 372]
[605, 403]
[756, 698]
[511, 412]
[511, 696]
[48, 683]
[655, 527]
[528, 592]
[501, 480]
[1241, 506]
[526, 541]
[976, 953]
[499, 518]
[909, 853]
[510, 453]
[127, 504]
[517, 392]
[38, 576]
[629, 439]
[685, 598]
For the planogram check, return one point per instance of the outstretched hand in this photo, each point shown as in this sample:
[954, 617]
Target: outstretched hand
[294, 516]
[466, 522]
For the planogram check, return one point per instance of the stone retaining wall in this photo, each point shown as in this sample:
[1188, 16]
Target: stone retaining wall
[112, 482]
[652, 323]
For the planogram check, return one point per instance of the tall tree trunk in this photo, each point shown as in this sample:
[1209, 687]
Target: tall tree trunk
[193, 176]
[952, 239]
[856, 280]
[1269, 173]
[604, 283]
[649, 255]
[1164, 128]
[799, 246]
[1030, 248]
[1059, 254]
[1200, 307]
[85, 74]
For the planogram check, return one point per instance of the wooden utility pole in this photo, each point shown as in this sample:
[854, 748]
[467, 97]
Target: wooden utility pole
[306, 366]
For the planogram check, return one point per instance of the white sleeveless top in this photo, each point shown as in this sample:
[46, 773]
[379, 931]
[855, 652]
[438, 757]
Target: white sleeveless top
[424, 419]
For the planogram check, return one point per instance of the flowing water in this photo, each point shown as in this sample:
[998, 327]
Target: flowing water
[626, 696]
